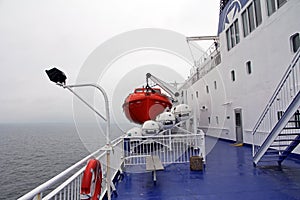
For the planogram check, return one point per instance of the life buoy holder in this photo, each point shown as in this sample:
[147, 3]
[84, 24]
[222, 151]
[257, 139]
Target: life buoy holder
[91, 181]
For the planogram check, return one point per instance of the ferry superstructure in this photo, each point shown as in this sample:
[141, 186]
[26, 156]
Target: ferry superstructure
[246, 90]
[252, 67]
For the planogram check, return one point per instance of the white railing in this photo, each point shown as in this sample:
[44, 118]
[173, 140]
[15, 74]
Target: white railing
[70, 188]
[284, 94]
[208, 61]
[210, 53]
[169, 148]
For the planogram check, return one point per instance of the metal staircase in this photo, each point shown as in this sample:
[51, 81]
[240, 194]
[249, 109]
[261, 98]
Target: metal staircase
[277, 132]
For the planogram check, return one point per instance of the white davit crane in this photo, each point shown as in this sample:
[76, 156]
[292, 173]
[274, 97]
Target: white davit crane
[171, 90]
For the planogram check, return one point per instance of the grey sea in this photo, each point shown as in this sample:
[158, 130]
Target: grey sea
[31, 154]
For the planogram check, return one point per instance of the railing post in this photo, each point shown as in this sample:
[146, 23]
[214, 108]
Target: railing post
[170, 139]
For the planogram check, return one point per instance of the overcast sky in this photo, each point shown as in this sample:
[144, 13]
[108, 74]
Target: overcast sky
[36, 34]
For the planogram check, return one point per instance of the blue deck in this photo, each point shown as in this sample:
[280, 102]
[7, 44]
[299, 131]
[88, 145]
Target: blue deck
[229, 174]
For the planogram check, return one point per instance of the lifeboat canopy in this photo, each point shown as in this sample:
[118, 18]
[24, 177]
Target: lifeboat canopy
[150, 127]
[182, 112]
[167, 120]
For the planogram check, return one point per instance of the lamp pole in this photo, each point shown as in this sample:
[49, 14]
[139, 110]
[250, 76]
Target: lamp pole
[59, 78]
[107, 147]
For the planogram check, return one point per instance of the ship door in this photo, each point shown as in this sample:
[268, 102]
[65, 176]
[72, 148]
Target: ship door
[238, 125]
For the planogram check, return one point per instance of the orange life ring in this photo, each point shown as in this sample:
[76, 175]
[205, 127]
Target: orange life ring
[91, 181]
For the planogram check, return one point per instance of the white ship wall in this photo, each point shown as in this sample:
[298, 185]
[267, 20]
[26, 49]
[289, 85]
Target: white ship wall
[269, 50]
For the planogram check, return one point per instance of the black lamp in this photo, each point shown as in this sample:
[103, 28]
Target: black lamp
[56, 76]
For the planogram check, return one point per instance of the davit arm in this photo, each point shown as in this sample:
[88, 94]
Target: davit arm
[171, 90]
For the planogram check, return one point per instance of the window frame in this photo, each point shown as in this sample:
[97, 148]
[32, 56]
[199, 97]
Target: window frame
[245, 22]
[251, 19]
[258, 13]
[295, 45]
[271, 4]
[237, 31]
[280, 4]
[276, 4]
[228, 38]
[233, 35]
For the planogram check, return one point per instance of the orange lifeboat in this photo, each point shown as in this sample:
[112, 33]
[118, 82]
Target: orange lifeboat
[145, 104]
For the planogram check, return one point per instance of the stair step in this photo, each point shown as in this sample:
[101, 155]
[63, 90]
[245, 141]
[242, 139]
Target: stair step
[294, 121]
[269, 160]
[289, 128]
[285, 140]
[272, 151]
[283, 134]
[272, 156]
[279, 145]
[275, 154]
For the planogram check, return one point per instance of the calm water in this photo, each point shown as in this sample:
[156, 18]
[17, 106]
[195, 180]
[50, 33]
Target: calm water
[30, 154]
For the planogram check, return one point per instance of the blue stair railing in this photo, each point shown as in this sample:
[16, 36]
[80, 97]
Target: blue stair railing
[277, 132]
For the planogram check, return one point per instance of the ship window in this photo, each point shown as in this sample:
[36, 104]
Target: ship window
[228, 40]
[258, 16]
[255, 9]
[232, 75]
[197, 94]
[295, 42]
[280, 3]
[232, 35]
[279, 115]
[248, 67]
[207, 89]
[215, 84]
[238, 120]
[182, 93]
[245, 23]
[237, 33]
[217, 119]
[208, 120]
[251, 17]
[271, 7]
